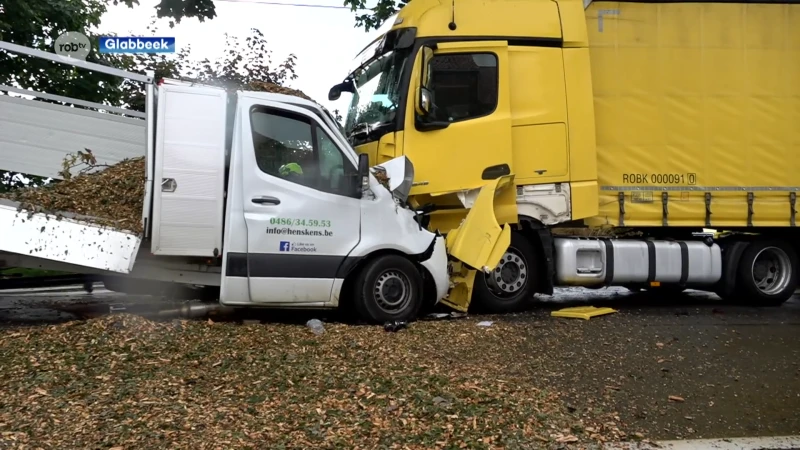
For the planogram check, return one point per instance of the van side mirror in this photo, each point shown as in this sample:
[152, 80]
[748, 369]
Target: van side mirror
[362, 184]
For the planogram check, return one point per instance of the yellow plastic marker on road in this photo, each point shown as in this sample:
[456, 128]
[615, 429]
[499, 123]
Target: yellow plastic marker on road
[582, 312]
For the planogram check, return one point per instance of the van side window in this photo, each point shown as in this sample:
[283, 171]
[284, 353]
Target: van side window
[464, 85]
[292, 147]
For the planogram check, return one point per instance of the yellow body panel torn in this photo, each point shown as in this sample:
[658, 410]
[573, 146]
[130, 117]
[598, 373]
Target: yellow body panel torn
[480, 241]
[462, 280]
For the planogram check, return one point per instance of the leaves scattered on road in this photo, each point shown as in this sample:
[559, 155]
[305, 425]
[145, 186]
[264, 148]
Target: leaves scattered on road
[125, 382]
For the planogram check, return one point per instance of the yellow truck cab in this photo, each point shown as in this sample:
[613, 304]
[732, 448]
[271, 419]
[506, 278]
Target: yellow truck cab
[663, 117]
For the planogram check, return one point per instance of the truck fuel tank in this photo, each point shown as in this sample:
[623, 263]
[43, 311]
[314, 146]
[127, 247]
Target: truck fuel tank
[595, 262]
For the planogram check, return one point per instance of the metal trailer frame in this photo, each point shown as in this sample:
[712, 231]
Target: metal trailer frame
[148, 267]
[97, 122]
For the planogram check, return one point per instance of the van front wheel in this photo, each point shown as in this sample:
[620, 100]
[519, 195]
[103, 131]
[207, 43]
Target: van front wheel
[388, 288]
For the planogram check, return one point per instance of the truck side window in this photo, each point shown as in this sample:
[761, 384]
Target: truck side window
[464, 85]
[293, 148]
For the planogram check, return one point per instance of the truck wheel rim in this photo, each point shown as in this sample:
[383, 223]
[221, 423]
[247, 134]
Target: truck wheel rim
[771, 270]
[510, 275]
[392, 291]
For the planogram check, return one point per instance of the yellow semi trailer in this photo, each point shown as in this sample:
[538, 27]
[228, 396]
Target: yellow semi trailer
[660, 117]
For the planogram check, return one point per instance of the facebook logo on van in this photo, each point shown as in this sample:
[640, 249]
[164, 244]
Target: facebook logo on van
[285, 246]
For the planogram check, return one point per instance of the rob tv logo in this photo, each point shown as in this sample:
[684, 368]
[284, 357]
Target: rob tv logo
[73, 45]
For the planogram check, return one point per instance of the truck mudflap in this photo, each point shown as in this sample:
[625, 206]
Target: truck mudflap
[66, 240]
[480, 241]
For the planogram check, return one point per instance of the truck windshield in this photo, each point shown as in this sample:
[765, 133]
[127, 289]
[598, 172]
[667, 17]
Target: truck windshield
[377, 94]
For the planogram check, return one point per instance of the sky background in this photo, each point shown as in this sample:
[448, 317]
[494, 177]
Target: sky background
[324, 39]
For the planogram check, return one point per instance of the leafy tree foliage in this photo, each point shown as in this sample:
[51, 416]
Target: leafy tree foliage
[241, 63]
[179, 9]
[37, 24]
[380, 12]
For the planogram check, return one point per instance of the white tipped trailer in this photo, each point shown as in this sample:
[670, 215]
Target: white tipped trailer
[255, 193]
[68, 240]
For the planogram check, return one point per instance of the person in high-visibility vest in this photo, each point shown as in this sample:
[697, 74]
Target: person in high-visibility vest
[291, 170]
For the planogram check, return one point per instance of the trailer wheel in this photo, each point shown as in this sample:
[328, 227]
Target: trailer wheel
[388, 288]
[767, 274]
[512, 283]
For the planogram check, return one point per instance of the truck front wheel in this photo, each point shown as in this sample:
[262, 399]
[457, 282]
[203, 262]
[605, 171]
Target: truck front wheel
[767, 274]
[388, 288]
[512, 283]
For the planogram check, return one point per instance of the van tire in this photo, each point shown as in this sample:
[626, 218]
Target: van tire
[777, 270]
[523, 260]
[388, 288]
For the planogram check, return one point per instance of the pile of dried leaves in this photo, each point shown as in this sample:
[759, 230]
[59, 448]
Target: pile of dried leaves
[110, 196]
[127, 383]
[265, 86]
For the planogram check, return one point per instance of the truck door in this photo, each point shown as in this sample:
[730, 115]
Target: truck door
[466, 137]
[301, 210]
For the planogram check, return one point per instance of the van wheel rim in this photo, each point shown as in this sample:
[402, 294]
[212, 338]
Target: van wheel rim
[771, 270]
[392, 291]
[510, 275]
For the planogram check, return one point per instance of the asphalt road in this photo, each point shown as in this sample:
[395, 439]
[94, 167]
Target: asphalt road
[684, 367]
[30, 307]
[731, 371]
